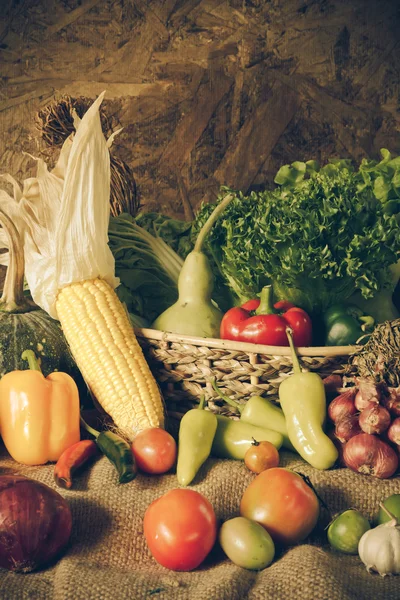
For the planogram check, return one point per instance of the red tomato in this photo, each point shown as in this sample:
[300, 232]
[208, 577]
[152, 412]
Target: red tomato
[180, 529]
[261, 456]
[283, 503]
[154, 450]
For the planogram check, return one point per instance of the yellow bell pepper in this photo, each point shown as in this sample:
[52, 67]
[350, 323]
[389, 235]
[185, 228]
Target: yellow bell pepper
[39, 416]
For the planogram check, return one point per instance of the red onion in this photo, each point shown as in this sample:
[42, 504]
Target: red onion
[35, 524]
[391, 401]
[347, 427]
[393, 433]
[342, 405]
[375, 419]
[369, 455]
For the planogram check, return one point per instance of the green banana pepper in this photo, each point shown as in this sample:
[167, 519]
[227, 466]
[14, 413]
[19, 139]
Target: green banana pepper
[233, 438]
[345, 325]
[196, 433]
[261, 412]
[303, 401]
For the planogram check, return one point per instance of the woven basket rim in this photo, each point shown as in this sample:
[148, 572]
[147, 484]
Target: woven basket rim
[324, 351]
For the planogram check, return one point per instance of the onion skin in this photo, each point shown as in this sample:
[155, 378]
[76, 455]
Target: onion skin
[391, 401]
[332, 384]
[361, 404]
[343, 405]
[393, 433]
[35, 524]
[368, 392]
[347, 428]
[369, 455]
[375, 419]
[339, 446]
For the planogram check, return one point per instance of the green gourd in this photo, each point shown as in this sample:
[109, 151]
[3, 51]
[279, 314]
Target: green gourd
[194, 313]
[23, 325]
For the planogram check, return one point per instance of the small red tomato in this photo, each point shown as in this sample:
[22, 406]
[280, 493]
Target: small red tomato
[154, 450]
[180, 529]
[261, 456]
[282, 502]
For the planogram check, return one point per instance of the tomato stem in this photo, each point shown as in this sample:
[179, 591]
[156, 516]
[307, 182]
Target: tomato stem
[307, 480]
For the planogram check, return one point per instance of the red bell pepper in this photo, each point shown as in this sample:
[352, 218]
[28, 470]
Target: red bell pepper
[261, 322]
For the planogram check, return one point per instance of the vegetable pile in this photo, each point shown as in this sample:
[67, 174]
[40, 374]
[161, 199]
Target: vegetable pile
[306, 253]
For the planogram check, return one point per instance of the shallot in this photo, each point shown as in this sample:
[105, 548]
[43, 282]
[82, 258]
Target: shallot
[374, 419]
[342, 405]
[368, 392]
[391, 401]
[369, 455]
[393, 433]
[347, 427]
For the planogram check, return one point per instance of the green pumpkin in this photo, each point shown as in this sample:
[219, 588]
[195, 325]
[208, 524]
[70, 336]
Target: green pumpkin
[24, 326]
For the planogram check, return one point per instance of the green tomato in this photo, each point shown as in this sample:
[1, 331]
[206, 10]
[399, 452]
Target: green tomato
[392, 503]
[247, 543]
[346, 530]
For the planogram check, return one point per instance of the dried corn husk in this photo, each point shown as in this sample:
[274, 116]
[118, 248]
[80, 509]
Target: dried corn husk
[66, 214]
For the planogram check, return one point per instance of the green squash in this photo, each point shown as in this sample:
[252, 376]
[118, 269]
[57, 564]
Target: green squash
[24, 326]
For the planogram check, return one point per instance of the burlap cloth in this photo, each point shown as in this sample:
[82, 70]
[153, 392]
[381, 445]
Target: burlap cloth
[108, 559]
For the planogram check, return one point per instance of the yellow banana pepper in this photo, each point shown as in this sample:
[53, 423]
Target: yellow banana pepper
[39, 416]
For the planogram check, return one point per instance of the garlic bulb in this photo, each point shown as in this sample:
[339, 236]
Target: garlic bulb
[379, 548]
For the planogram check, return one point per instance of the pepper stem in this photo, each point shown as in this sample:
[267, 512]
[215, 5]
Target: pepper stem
[210, 222]
[89, 429]
[368, 323]
[33, 362]
[226, 398]
[295, 359]
[202, 403]
[266, 306]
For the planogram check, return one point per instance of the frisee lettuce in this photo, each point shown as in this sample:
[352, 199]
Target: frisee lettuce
[321, 236]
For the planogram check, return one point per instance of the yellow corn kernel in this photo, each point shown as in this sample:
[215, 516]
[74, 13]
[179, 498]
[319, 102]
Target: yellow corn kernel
[105, 348]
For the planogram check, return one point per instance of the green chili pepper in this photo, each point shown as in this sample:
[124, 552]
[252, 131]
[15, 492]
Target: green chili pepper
[346, 325]
[117, 450]
[261, 412]
[196, 433]
[303, 401]
[233, 438]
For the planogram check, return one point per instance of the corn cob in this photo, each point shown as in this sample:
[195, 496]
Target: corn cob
[109, 356]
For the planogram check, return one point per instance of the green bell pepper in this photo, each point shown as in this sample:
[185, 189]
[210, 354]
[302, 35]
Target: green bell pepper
[345, 325]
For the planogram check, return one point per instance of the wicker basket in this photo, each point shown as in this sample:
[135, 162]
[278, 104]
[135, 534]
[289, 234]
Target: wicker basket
[185, 367]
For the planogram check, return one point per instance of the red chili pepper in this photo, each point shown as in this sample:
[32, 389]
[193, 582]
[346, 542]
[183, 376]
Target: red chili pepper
[71, 459]
[261, 322]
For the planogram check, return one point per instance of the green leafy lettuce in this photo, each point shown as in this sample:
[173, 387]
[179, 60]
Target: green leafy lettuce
[321, 236]
[147, 266]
